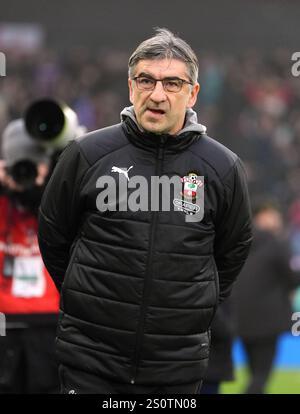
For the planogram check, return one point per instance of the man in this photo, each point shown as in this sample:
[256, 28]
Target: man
[28, 297]
[263, 293]
[139, 286]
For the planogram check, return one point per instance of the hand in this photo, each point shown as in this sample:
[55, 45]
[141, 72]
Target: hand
[7, 181]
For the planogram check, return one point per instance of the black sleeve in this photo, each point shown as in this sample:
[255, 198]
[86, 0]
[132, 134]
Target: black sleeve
[59, 213]
[233, 229]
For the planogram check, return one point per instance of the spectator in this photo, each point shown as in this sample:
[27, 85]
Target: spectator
[262, 295]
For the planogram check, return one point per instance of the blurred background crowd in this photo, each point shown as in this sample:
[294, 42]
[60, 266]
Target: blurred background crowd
[249, 101]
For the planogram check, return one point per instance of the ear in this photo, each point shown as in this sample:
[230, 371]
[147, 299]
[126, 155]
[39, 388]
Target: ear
[130, 86]
[193, 97]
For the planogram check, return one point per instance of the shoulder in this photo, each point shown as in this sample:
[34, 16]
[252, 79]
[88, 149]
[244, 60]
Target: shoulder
[219, 157]
[96, 144]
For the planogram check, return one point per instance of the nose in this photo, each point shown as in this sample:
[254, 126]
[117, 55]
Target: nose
[158, 94]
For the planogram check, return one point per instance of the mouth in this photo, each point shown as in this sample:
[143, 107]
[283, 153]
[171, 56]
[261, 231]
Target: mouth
[156, 112]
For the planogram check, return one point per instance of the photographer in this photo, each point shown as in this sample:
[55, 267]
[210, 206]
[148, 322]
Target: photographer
[28, 297]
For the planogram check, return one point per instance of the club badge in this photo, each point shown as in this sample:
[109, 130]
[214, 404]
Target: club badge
[189, 194]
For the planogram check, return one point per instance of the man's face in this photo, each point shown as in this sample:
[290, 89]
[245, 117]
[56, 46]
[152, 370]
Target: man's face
[159, 111]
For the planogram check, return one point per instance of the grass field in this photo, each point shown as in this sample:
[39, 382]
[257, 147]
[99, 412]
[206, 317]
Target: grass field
[281, 382]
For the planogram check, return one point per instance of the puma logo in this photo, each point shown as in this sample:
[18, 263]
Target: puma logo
[122, 171]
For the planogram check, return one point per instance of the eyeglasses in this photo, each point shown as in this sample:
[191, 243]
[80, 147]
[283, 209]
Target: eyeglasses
[145, 83]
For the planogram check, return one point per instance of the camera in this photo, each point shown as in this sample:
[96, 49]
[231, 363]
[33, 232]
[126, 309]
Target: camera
[22, 154]
[24, 173]
[40, 136]
[52, 123]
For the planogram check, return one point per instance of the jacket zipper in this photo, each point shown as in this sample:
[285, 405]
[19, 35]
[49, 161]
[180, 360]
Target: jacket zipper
[146, 291]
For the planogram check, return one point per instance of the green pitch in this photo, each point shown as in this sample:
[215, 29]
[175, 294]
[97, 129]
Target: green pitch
[280, 382]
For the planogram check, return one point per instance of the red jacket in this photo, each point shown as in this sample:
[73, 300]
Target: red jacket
[25, 285]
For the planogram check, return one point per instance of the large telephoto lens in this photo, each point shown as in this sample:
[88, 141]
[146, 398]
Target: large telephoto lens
[44, 120]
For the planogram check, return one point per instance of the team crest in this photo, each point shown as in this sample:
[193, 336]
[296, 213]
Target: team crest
[191, 184]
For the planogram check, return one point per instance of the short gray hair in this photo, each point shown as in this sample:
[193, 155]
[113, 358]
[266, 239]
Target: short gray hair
[165, 45]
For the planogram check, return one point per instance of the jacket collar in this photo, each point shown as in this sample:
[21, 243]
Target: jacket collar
[191, 131]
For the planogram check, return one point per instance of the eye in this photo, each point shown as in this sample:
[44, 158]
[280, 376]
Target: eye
[172, 85]
[146, 82]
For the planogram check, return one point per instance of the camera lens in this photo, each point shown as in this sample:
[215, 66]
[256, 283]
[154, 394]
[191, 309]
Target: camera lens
[44, 120]
[24, 173]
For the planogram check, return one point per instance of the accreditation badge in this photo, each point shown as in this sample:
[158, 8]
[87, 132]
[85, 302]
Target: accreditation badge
[28, 277]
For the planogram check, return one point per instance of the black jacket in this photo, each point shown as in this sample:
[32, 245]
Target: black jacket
[262, 295]
[139, 289]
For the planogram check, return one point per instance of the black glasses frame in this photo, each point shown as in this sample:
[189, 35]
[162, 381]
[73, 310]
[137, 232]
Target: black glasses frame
[163, 81]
